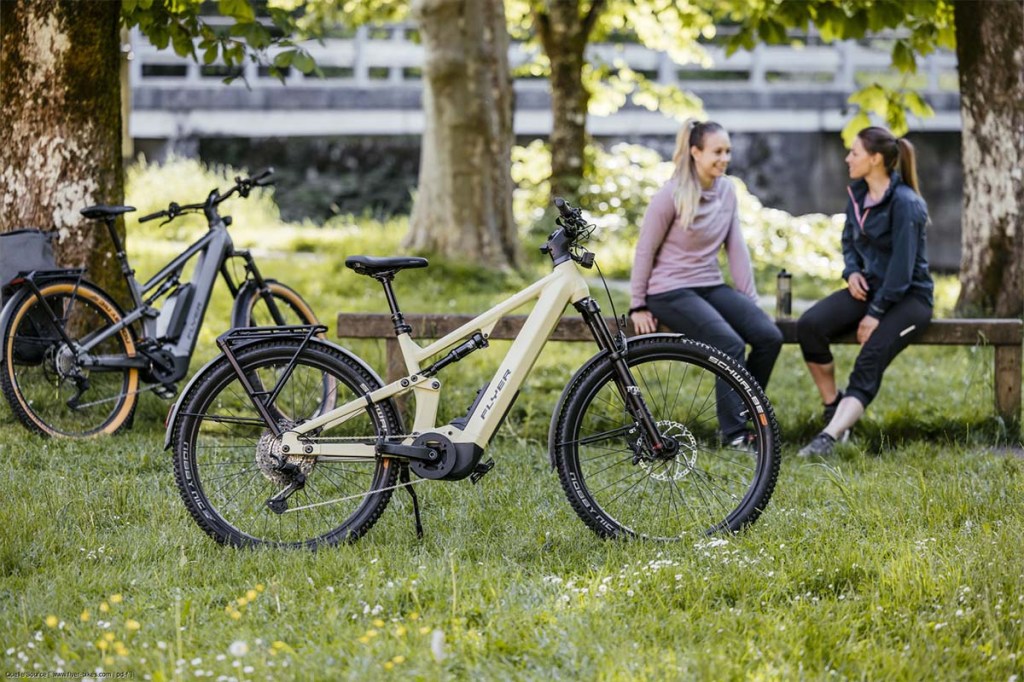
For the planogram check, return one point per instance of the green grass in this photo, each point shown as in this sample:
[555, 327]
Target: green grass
[902, 557]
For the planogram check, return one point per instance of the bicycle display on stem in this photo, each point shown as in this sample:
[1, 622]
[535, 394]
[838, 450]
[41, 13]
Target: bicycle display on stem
[261, 458]
[74, 361]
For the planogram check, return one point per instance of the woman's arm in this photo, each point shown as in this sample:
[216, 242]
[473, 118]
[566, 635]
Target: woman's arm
[658, 219]
[736, 251]
[907, 221]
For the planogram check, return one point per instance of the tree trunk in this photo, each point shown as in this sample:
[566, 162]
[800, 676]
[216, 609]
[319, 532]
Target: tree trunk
[463, 205]
[61, 109]
[990, 51]
[564, 33]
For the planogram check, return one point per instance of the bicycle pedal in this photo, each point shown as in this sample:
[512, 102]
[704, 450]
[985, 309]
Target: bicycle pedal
[481, 470]
[165, 391]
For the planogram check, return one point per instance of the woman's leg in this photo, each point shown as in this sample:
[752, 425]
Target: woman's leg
[897, 329]
[837, 314]
[754, 327]
[685, 311]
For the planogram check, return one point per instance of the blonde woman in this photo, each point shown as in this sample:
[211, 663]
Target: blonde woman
[676, 280]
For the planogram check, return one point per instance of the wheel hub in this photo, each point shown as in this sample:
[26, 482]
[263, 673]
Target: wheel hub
[683, 460]
[270, 456]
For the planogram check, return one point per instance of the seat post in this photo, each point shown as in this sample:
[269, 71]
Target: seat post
[397, 318]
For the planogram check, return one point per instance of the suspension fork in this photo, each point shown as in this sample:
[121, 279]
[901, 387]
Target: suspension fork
[631, 394]
[261, 284]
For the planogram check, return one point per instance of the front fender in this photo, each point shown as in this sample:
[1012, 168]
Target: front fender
[172, 418]
[583, 370]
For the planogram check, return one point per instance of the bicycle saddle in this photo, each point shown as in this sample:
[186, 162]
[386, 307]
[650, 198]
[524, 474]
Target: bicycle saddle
[100, 212]
[374, 265]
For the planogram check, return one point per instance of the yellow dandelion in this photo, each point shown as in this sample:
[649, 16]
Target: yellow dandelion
[85, 616]
[414, 616]
[116, 599]
[371, 633]
[102, 645]
[108, 660]
[228, 609]
[398, 659]
[120, 649]
[278, 645]
[251, 595]
[378, 623]
[259, 587]
[424, 630]
[104, 607]
[364, 639]
[109, 636]
[242, 601]
[51, 621]
[389, 665]
[400, 631]
[235, 615]
[132, 625]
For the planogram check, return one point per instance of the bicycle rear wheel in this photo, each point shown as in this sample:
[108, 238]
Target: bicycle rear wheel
[50, 391]
[620, 487]
[224, 453]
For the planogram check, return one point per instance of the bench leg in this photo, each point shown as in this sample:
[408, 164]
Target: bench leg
[1008, 380]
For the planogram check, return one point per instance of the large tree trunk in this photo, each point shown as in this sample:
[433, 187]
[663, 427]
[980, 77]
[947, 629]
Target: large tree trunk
[463, 205]
[564, 33]
[990, 51]
[60, 100]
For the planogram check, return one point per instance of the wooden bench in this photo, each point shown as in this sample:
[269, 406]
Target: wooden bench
[1004, 336]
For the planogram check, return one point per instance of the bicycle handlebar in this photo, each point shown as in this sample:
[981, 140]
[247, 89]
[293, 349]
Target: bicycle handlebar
[242, 187]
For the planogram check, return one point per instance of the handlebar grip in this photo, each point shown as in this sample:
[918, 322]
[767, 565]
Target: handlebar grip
[152, 216]
[563, 207]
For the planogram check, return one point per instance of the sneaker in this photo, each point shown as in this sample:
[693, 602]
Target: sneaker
[746, 441]
[820, 446]
[830, 409]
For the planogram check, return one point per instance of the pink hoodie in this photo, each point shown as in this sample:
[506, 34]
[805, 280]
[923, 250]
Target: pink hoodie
[669, 256]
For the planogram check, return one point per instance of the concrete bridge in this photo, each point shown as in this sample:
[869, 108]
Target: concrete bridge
[372, 86]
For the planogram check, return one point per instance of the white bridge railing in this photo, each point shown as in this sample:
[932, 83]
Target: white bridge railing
[772, 88]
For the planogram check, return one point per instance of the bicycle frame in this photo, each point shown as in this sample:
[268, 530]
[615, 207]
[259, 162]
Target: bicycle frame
[212, 251]
[564, 285]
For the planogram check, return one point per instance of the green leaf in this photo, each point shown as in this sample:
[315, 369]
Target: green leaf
[903, 57]
[855, 125]
[873, 98]
[303, 62]
[918, 106]
[284, 59]
[240, 10]
[210, 54]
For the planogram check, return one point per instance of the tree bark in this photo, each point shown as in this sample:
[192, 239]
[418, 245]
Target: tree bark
[60, 100]
[463, 205]
[990, 51]
[564, 32]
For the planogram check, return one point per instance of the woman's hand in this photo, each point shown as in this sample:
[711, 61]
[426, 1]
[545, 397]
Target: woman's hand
[865, 328]
[858, 286]
[644, 322]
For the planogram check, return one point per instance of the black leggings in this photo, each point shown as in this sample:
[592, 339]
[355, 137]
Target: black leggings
[839, 314]
[722, 317]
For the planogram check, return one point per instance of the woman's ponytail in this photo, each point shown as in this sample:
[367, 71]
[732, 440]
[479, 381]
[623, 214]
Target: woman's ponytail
[908, 163]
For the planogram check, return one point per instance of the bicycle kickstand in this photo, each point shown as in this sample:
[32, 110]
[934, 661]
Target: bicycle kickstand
[403, 477]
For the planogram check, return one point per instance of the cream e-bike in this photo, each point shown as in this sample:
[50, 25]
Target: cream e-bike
[634, 437]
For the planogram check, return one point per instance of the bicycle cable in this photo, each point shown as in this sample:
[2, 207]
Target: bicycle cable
[352, 497]
[620, 334]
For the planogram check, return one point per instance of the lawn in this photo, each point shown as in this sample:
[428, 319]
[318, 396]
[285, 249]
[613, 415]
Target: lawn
[902, 557]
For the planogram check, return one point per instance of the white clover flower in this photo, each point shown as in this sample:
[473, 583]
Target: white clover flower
[238, 648]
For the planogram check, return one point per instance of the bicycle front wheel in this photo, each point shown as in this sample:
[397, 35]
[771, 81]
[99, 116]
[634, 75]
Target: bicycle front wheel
[225, 457]
[705, 481]
[51, 390]
[252, 309]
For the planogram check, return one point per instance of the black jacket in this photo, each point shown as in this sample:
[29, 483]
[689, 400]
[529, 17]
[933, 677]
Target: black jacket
[890, 249]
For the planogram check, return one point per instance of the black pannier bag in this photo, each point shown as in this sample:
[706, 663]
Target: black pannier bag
[24, 250]
[21, 251]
